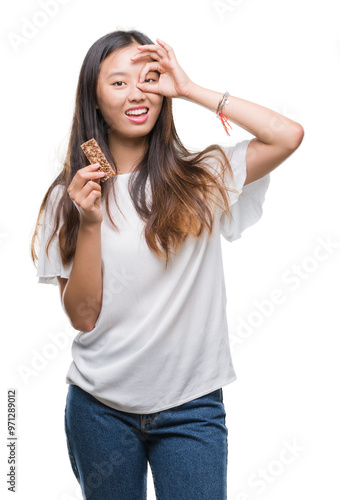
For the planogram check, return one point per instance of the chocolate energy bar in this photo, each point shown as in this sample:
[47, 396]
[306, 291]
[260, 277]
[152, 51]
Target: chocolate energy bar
[95, 155]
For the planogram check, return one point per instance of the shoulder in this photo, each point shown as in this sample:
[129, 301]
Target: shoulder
[57, 192]
[216, 157]
[52, 201]
[208, 156]
[55, 195]
[235, 155]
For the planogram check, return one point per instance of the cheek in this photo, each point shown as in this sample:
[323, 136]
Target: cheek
[109, 98]
[157, 102]
[110, 104]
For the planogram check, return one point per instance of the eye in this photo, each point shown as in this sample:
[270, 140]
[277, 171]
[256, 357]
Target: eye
[155, 75]
[117, 85]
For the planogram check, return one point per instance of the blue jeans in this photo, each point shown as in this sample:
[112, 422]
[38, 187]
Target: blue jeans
[186, 447]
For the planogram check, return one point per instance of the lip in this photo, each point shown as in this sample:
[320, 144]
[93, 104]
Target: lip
[140, 118]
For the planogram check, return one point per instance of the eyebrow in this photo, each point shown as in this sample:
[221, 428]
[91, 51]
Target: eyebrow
[115, 73]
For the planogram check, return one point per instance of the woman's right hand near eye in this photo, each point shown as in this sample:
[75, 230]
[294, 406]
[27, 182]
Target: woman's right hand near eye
[85, 192]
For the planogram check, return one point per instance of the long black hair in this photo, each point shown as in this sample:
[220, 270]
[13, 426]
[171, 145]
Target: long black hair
[181, 185]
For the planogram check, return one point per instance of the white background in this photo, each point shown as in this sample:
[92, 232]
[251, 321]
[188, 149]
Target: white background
[282, 55]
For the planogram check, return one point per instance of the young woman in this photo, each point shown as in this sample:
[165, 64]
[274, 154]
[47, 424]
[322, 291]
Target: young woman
[139, 265]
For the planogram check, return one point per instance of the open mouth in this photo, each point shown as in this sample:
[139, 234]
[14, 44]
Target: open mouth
[137, 112]
[138, 115]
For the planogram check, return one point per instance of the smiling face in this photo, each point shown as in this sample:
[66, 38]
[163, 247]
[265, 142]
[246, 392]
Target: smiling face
[117, 93]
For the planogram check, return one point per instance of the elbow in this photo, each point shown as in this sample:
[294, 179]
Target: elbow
[296, 136]
[87, 327]
[81, 316]
[86, 322]
[83, 326]
[80, 321]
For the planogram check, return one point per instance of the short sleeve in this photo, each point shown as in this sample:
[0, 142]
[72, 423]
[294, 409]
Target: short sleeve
[247, 204]
[50, 267]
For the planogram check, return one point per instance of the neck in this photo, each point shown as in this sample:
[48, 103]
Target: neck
[127, 152]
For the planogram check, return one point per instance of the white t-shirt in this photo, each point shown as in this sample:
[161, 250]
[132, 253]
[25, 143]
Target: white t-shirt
[161, 338]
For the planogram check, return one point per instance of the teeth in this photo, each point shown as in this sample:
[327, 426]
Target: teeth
[137, 112]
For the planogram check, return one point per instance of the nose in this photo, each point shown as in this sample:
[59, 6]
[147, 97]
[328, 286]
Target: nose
[136, 94]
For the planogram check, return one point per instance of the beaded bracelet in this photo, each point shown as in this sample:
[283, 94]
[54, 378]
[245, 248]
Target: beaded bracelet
[223, 118]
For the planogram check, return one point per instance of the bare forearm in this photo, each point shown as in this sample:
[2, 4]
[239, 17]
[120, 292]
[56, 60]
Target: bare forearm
[82, 297]
[267, 125]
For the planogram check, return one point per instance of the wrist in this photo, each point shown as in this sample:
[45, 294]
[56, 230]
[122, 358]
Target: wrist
[190, 91]
[90, 226]
[204, 97]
